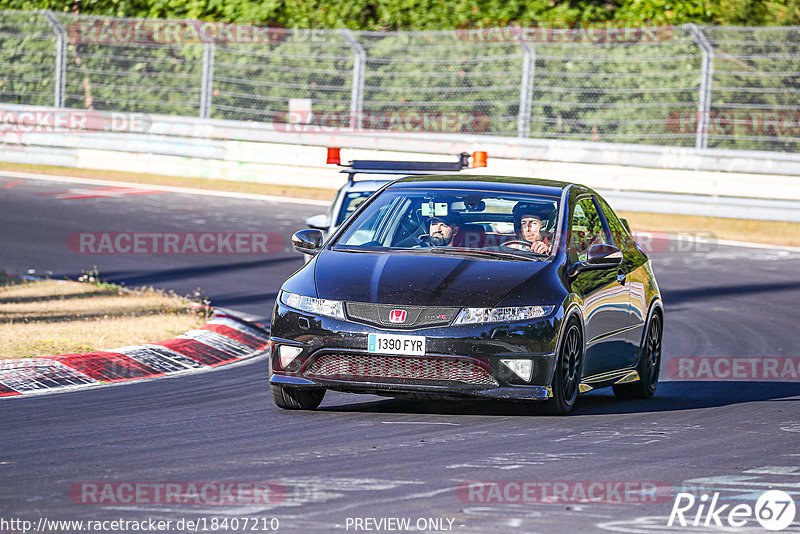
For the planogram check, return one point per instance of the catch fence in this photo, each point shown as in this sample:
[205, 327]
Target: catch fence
[685, 86]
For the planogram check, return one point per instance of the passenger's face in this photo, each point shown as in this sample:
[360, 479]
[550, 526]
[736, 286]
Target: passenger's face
[531, 228]
[441, 234]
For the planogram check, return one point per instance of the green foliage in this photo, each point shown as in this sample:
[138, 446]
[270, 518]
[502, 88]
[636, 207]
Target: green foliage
[92, 276]
[27, 55]
[434, 14]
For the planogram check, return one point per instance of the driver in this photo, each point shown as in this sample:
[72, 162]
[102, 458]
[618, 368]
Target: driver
[529, 223]
[442, 229]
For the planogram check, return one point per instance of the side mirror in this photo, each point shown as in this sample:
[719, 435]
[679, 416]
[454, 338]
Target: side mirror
[307, 241]
[599, 257]
[318, 222]
[604, 256]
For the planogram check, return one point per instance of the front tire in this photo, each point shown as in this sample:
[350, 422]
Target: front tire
[649, 364]
[290, 398]
[567, 375]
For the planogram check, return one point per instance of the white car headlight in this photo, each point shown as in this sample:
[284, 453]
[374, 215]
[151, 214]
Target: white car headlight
[501, 315]
[329, 308]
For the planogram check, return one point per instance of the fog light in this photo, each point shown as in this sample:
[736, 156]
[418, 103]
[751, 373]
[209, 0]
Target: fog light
[521, 368]
[287, 354]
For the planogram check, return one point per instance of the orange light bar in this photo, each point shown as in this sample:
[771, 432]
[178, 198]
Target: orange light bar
[333, 156]
[479, 159]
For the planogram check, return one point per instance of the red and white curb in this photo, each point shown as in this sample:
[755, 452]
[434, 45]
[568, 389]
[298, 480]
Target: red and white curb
[223, 340]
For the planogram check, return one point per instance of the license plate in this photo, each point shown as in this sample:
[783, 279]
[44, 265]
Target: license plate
[396, 344]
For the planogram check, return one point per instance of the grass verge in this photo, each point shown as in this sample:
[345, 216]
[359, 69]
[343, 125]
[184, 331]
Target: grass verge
[753, 231]
[45, 318]
[768, 232]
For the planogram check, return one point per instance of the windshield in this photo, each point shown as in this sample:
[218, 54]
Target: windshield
[351, 201]
[492, 224]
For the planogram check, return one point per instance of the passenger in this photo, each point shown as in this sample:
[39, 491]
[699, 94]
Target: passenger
[443, 228]
[529, 223]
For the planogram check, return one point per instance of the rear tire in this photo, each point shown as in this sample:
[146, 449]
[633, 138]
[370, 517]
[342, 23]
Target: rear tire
[649, 364]
[290, 398]
[567, 374]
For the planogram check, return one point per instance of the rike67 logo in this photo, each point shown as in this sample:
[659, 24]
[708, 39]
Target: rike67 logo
[774, 510]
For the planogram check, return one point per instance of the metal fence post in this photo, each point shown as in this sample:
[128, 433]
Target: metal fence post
[207, 80]
[61, 56]
[526, 89]
[706, 76]
[359, 64]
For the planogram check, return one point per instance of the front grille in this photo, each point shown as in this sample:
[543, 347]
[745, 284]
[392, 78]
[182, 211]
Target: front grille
[400, 369]
[415, 316]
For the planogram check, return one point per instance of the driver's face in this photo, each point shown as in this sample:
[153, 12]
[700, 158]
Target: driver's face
[531, 228]
[441, 234]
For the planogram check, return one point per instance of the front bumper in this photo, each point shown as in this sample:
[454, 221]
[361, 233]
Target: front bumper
[460, 361]
[383, 388]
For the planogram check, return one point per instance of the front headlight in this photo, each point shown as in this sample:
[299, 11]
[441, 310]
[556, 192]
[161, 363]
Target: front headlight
[501, 315]
[329, 308]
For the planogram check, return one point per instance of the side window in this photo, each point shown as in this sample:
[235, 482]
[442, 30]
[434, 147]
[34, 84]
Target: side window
[586, 229]
[618, 231]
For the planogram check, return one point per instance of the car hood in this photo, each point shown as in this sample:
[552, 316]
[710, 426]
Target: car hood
[418, 279]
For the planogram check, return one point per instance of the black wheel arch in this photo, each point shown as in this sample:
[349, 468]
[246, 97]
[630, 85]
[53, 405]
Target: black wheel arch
[573, 310]
[656, 306]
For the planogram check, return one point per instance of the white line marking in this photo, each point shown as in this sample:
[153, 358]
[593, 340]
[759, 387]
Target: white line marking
[416, 423]
[734, 480]
[235, 511]
[171, 189]
[387, 500]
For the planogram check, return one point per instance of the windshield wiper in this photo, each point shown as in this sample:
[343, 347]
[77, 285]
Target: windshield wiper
[482, 253]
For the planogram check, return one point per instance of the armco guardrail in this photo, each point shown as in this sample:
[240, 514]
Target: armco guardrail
[669, 180]
[63, 131]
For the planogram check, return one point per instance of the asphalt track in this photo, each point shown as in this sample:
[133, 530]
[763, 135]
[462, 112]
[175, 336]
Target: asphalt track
[363, 457]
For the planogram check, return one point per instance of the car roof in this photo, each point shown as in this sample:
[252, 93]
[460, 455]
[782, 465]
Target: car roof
[510, 184]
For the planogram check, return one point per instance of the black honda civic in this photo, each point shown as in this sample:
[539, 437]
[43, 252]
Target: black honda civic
[480, 286]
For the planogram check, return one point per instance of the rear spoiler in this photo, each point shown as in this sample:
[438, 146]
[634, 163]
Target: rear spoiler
[371, 166]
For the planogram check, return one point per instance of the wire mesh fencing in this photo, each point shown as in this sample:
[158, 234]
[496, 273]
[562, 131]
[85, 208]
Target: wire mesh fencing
[755, 92]
[27, 59]
[686, 86]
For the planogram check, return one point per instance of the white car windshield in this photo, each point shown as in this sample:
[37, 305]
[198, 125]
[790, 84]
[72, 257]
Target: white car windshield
[351, 201]
[494, 224]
